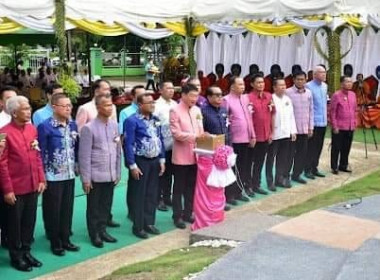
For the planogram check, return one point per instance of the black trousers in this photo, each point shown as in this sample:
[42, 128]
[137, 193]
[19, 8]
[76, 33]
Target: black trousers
[57, 207]
[243, 166]
[99, 204]
[3, 220]
[166, 180]
[184, 187]
[21, 223]
[314, 149]
[298, 152]
[149, 83]
[340, 148]
[279, 150]
[258, 157]
[145, 192]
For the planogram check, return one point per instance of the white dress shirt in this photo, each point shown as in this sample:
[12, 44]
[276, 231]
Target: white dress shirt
[5, 119]
[284, 121]
[162, 111]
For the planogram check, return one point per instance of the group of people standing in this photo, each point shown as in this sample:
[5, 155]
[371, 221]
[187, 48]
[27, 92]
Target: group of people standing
[157, 139]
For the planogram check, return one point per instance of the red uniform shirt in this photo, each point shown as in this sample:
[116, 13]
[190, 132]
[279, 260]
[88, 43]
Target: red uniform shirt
[247, 83]
[289, 81]
[21, 167]
[268, 84]
[223, 85]
[262, 109]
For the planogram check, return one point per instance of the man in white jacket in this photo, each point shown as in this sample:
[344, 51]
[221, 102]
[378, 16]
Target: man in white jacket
[284, 131]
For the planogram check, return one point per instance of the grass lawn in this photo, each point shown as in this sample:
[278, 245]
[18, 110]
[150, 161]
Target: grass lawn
[367, 186]
[173, 265]
[359, 135]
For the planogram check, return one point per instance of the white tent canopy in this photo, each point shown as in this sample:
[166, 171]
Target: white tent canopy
[138, 11]
[219, 10]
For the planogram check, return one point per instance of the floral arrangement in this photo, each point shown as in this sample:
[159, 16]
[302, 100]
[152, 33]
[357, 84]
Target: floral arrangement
[34, 145]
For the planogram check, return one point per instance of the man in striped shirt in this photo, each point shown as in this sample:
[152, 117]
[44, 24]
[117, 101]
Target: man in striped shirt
[303, 113]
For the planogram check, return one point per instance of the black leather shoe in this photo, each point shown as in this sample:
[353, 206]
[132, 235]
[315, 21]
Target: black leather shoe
[335, 171]
[232, 202]
[104, 236]
[140, 234]
[299, 180]
[250, 192]
[70, 247]
[58, 251]
[285, 184]
[309, 175]
[345, 170]
[97, 242]
[32, 261]
[243, 198]
[162, 207]
[112, 224]
[180, 224]
[189, 220]
[21, 265]
[152, 230]
[260, 191]
[227, 208]
[319, 174]
[272, 188]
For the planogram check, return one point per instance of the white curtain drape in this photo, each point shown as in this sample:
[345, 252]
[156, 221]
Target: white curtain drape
[201, 52]
[225, 28]
[147, 33]
[286, 51]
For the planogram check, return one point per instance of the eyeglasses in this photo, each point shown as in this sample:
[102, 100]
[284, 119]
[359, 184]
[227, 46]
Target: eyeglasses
[150, 103]
[67, 106]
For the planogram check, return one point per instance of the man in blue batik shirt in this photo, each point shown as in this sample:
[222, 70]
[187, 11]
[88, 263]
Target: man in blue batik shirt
[58, 141]
[318, 89]
[145, 157]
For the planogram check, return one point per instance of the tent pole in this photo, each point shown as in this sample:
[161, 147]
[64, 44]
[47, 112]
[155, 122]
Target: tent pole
[124, 62]
[88, 57]
[190, 41]
[15, 57]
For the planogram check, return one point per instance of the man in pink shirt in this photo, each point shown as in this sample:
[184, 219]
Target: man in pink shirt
[343, 124]
[87, 112]
[186, 126]
[242, 137]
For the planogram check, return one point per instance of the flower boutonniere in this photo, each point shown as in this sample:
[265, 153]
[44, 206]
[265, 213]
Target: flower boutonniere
[250, 108]
[34, 145]
[116, 139]
[157, 124]
[270, 106]
[345, 98]
[74, 135]
[286, 103]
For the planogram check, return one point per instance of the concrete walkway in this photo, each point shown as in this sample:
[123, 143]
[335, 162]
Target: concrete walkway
[335, 243]
[153, 247]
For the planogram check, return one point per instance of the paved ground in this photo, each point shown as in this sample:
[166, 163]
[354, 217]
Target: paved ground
[330, 244]
[258, 209]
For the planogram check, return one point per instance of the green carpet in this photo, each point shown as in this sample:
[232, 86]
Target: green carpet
[41, 246]
[51, 263]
